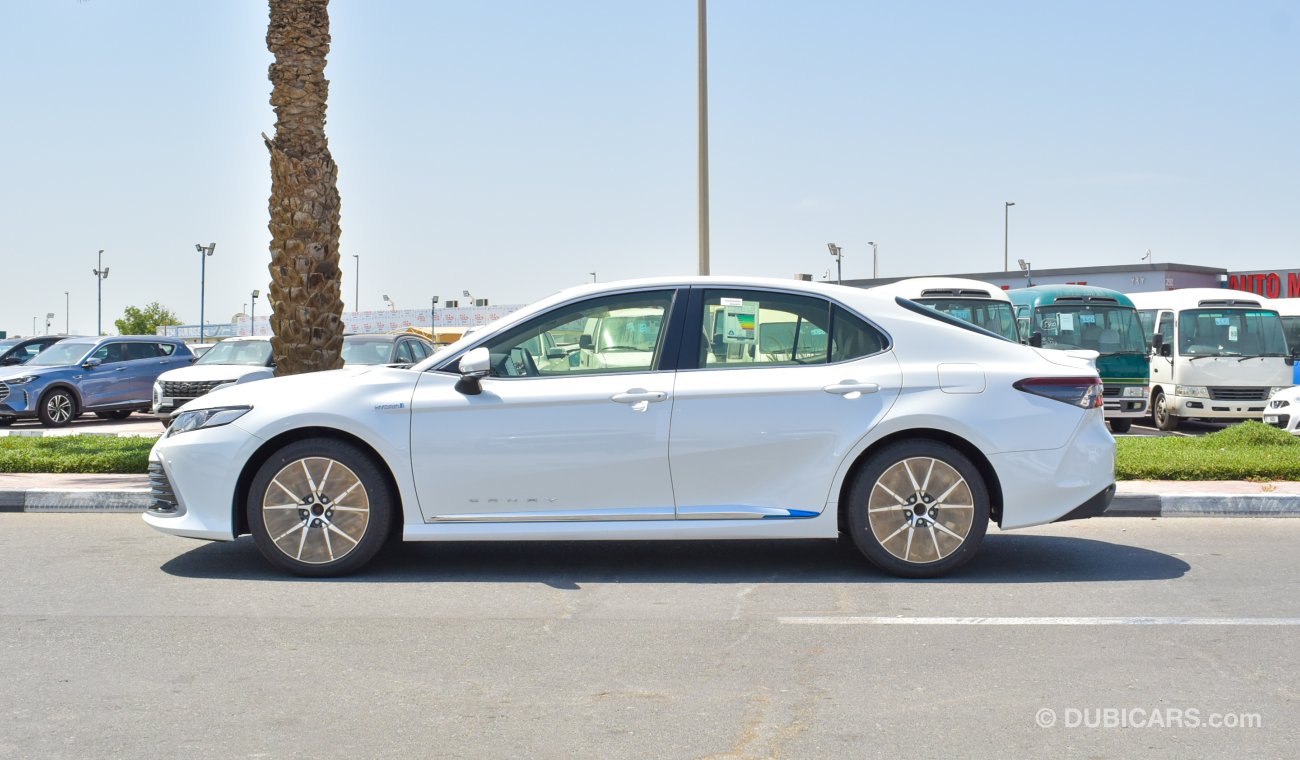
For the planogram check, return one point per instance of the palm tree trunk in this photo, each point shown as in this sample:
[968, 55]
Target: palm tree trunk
[306, 297]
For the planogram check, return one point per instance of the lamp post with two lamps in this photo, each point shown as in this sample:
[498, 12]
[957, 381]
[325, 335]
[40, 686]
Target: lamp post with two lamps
[838, 253]
[875, 272]
[1029, 272]
[252, 314]
[101, 274]
[391, 305]
[204, 252]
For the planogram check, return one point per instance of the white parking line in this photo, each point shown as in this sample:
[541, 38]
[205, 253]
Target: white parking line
[1037, 621]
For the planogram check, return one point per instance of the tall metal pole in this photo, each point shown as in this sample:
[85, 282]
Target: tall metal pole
[67, 306]
[101, 274]
[703, 94]
[356, 283]
[874, 268]
[204, 253]
[1006, 226]
[433, 318]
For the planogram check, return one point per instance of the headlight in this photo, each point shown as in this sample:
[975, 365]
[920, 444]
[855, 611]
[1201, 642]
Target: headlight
[1278, 389]
[21, 380]
[157, 394]
[1194, 391]
[1135, 391]
[206, 418]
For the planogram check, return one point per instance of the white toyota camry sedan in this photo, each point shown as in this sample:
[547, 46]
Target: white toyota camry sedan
[690, 408]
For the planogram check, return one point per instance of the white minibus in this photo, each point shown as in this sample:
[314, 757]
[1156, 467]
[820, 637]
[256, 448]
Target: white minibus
[973, 301]
[1217, 354]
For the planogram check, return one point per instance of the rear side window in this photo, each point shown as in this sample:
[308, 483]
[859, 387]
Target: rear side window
[165, 349]
[743, 328]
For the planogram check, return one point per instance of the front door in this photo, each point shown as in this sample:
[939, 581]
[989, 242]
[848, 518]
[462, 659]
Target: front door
[551, 437]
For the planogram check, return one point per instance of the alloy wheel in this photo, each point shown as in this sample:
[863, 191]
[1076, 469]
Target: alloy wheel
[921, 510]
[316, 510]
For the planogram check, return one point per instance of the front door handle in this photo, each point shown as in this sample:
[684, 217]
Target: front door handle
[638, 395]
[845, 387]
[120, 369]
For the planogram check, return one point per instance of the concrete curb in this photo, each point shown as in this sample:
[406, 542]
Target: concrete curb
[51, 434]
[1124, 505]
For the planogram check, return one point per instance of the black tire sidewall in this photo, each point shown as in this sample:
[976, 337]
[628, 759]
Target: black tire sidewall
[1121, 425]
[860, 491]
[383, 505]
[1158, 402]
[44, 415]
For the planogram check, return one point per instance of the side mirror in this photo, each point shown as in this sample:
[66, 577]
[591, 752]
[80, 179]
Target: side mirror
[1166, 350]
[1036, 339]
[475, 365]
[91, 363]
[1157, 341]
[585, 342]
[8, 360]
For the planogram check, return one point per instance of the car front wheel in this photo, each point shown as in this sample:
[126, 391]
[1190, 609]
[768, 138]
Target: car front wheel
[1120, 425]
[918, 509]
[58, 408]
[320, 507]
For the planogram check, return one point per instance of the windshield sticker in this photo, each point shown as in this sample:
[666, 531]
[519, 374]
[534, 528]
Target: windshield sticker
[1049, 325]
[733, 301]
[1222, 321]
[962, 314]
[1232, 333]
[1087, 319]
[738, 323]
[1067, 322]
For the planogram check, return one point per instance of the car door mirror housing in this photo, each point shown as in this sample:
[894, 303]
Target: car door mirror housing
[586, 343]
[91, 363]
[475, 365]
[1166, 350]
[1157, 340]
[1036, 339]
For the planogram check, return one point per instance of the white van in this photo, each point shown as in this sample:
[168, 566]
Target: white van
[1217, 354]
[232, 361]
[979, 303]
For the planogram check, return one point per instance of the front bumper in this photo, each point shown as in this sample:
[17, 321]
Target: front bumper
[1214, 409]
[1119, 405]
[192, 478]
[1285, 417]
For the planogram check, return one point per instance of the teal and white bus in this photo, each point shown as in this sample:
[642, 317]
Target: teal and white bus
[1094, 319]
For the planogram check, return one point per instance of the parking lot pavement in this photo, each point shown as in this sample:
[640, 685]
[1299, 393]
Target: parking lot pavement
[136, 424]
[1101, 638]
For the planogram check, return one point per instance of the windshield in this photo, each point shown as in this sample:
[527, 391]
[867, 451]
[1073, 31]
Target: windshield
[994, 316]
[10, 343]
[367, 350]
[1107, 329]
[632, 333]
[254, 353]
[1226, 332]
[59, 354]
[1292, 327]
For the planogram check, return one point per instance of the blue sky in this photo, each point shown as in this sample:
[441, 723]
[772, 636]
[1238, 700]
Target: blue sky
[511, 147]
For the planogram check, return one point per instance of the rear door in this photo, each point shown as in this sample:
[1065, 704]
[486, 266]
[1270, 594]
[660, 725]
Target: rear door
[774, 389]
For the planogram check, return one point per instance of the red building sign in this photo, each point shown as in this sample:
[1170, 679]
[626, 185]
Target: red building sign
[1280, 284]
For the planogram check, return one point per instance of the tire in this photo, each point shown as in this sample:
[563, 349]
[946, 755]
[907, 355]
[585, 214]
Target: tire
[1120, 425]
[312, 534]
[120, 414]
[886, 526]
[58, 408]
[1161, 415]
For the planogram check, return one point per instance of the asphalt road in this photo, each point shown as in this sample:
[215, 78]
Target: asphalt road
[119, 641]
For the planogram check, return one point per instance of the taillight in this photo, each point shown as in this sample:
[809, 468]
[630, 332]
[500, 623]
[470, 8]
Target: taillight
[1083, 392]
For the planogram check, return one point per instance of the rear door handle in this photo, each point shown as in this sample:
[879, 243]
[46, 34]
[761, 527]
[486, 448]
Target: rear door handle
[637, 395]
[845, 387]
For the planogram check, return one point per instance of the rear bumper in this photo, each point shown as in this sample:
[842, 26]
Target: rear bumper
[1093, 507]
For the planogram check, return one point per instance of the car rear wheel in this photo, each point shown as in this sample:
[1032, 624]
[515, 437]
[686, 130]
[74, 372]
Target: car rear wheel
[1120, 426]
[918, 509]
[58, 408]
[1165, 420]
[320, 507]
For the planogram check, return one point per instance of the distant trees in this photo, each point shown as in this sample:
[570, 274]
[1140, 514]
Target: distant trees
[146, 321]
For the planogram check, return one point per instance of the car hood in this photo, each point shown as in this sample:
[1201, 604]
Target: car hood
[292, 392]
[206, 373]
[23, 370]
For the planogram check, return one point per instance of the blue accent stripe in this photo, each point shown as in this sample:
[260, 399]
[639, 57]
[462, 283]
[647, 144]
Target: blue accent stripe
[795, 514]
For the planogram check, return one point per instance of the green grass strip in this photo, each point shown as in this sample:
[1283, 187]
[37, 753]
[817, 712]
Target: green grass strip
[1248, 451]
[96, 454]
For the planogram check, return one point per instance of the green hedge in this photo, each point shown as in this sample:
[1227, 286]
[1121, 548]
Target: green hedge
[1249, 451]
[97, 454]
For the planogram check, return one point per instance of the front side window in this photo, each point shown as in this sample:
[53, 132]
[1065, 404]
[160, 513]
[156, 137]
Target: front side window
[620, 333]
[110, 353]
[1230, 332]
[754, 328]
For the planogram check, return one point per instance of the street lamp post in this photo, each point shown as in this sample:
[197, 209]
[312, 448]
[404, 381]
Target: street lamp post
[838, 253]
[101, 274]
[874, 269]
[252, 314]
[67, 308]
[356, 285]
[593, 276]
[702, 94]
[49, 315]
[204, 253]
[33, 326]
[433, 318]
[1028, 269]
[391, 305]
[1006, 226]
